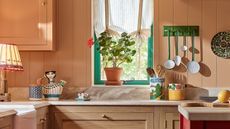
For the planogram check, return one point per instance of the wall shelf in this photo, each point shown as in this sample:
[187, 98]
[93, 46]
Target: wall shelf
[182, 30]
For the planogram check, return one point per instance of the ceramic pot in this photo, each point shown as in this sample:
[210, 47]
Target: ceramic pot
[113, 76]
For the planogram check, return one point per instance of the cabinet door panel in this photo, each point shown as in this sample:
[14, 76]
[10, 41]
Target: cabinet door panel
[26, 23]
[42, 118]
[172, 121]
[22, 20]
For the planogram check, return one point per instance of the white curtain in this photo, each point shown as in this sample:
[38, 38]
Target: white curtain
[123, 15]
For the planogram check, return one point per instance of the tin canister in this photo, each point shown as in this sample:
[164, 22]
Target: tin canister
[35, 92]
[156, 87]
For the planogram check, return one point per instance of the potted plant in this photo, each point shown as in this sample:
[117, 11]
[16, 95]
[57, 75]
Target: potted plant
[115, 50]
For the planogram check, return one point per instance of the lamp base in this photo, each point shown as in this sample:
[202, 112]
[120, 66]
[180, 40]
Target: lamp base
[5, 97]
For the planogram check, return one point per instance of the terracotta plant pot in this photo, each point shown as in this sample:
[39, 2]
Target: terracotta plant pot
[113, 76]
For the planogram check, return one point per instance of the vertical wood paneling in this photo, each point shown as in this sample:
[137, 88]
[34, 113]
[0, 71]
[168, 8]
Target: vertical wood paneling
[72, 60]
[22, 79]
[156, 32]
[223, 24]
[195, 18]
[165, 18]
[208, 62]
[180, 18]
[10, 78]
[65, 38]
[50, 61]
[212, 17]
[80, 40]
[36, 66]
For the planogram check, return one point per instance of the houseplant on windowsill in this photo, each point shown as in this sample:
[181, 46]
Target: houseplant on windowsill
[115, 50]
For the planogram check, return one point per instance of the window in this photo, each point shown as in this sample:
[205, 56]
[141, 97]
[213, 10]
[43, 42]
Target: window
[123, 16]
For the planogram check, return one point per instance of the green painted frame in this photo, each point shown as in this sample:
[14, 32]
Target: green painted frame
[97, 64]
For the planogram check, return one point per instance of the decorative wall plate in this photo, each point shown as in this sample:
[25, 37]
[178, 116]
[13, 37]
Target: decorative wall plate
[221, 44]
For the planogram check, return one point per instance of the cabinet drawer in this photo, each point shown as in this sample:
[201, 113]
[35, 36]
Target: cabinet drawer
[104, 116]
[103, 120]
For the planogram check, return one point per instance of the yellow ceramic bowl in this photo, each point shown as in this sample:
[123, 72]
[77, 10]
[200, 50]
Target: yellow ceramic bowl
[176, 95]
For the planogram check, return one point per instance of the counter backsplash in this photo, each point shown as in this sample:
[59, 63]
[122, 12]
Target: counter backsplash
[113, 93]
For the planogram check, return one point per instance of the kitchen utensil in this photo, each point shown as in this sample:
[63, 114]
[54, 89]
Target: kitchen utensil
[177, 59]
[160, 71]
[150, 72]
[193, 66]
[184, 47]
[221, 44]
[169, 64]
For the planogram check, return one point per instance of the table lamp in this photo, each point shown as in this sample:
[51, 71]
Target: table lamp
[9, 61]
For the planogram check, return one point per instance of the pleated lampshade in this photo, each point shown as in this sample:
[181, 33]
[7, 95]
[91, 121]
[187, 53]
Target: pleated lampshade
[10, 58]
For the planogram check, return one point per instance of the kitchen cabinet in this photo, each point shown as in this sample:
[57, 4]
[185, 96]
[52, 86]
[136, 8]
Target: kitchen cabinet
[169, 118]
[203, 124]
[42, 118]
[101, 117]
[6, 122]
[29, 24]
[172, 121]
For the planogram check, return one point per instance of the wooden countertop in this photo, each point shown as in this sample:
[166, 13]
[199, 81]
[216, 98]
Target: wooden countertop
[6, 112]
[205, 113]
[120, 103]
[38, 104]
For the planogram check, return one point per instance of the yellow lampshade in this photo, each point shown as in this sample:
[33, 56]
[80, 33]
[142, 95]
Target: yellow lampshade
[10, 58]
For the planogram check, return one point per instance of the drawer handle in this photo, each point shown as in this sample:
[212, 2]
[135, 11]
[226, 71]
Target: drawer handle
[104, 116]
[43, 120]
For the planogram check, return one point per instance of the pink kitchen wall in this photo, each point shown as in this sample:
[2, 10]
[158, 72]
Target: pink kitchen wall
[72, 59]
[212, 16]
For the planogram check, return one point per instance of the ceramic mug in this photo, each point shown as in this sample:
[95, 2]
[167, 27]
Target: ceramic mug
[35, 92]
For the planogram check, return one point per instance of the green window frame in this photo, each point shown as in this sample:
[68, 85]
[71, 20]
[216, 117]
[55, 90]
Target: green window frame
[97, 63]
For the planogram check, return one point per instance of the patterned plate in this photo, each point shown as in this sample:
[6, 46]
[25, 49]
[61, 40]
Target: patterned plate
[221, 44]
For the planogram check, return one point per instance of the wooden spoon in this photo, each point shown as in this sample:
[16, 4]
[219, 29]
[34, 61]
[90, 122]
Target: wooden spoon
[150, 72]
